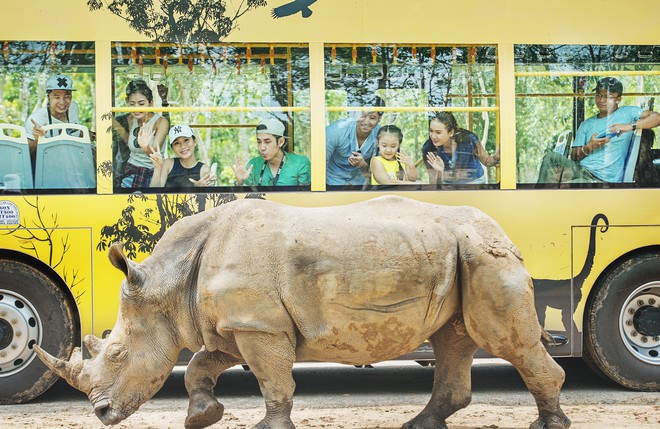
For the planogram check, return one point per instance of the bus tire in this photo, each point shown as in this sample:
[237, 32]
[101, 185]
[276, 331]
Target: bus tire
[33, 309]
[621, 335]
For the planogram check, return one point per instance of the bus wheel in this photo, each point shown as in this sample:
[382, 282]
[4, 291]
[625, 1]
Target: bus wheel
[622, 324]
[33, 310]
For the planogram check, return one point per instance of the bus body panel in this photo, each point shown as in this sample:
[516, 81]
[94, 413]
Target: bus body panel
[566, 255]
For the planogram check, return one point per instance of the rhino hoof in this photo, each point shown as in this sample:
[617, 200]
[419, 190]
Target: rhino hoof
[203, 414]
[553, 422]
[423, 421]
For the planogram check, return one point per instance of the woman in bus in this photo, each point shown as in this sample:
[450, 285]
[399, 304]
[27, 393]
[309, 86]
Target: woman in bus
[142, 141]
[274, 166]
[454, 155]
[391, 167]
[185, 170]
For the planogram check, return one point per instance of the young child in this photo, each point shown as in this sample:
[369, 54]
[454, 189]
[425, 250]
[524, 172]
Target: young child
[391, 167]
[184, 171]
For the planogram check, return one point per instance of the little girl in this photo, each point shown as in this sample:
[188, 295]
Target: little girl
[184, 171]
[391, 167]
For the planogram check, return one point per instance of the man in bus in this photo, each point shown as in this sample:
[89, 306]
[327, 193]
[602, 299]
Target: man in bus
[601, 143]
[60, 109]
[350, 145]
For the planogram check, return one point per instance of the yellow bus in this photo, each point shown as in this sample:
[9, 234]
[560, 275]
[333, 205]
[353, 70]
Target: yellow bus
[520, 76]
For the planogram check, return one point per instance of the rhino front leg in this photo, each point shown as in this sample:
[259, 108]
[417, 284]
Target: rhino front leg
[271, 357]
[452, 389]
[201, 376]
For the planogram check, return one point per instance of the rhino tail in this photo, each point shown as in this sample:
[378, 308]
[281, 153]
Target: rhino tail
[547, 338]
[552, 340]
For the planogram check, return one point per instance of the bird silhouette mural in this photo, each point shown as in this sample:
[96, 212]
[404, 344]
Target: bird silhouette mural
[294, 7]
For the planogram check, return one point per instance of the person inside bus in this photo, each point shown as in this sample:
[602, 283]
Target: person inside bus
[120, 128]
[646, 173]
[184, 171]
[350, 145]
[274, 166]
[391, 166]
[60, 109]
[601, 143]
[148, 131]
[454, 155]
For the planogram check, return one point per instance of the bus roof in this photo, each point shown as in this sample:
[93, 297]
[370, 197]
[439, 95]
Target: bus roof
[382, 21]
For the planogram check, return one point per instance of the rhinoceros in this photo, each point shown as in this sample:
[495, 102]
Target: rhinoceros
[265, 284]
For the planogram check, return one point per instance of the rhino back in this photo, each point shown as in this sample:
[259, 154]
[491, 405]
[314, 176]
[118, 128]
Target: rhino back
[363, 282]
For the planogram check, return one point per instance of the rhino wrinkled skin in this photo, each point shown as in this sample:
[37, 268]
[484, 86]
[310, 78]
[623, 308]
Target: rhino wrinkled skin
[266, 284]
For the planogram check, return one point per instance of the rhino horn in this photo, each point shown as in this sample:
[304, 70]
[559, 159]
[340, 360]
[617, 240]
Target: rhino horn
[93, 344]
[70, 371]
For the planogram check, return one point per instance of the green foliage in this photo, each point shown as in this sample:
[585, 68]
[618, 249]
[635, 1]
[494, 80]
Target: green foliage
[453, 81]
[545, 105]
[224, 135]
[540, 121]
[22, 93]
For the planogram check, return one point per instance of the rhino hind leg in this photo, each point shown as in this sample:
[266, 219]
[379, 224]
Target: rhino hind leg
[270, 358]
[201, 376]
[500, 316]
[452, 391]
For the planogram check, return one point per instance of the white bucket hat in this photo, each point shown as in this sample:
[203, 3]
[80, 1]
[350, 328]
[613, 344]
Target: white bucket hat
[59, 81]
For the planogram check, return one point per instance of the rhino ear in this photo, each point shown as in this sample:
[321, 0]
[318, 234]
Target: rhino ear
[130, 269]
[93, 344]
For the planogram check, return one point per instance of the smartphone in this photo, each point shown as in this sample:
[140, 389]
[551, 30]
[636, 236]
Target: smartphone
[214, 169]
[606, 133]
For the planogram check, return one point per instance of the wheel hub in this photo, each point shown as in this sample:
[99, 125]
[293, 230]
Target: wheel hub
[19, 331]
[647, 321]
[640, 323]
[6, 334]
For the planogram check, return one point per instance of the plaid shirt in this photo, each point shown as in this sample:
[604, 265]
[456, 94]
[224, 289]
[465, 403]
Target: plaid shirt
[141, 175]
[464, 164]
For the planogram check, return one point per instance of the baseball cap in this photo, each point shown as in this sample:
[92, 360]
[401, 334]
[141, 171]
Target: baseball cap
[59, 81]
[180, 131]
[610, 84]
[271, 126]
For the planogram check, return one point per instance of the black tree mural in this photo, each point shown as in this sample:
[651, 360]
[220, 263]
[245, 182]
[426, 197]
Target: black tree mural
[141, 230]
[180, 21]
[44, 228]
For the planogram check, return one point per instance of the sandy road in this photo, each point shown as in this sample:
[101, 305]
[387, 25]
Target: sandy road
[384, 397]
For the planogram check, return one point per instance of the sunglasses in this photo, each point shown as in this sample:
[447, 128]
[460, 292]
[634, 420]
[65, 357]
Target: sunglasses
[136, 131]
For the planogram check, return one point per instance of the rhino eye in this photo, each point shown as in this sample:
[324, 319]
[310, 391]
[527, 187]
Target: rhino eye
[116, 353]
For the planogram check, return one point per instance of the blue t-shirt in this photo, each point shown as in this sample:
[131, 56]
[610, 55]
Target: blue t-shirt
[340, 143]
[606, 162]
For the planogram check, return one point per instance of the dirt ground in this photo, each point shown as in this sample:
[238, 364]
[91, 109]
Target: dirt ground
[161, 416]
[339, 397]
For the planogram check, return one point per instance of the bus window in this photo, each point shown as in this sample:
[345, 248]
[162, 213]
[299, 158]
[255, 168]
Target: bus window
[371, 86]
[47, 135]
[222, 92]
[565, 94]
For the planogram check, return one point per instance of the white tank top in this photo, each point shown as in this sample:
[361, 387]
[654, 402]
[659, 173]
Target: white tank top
[138, 157]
